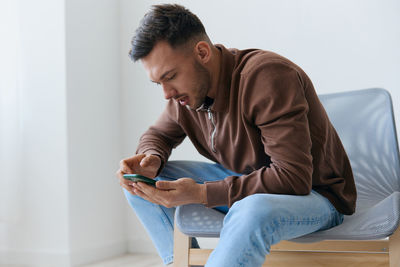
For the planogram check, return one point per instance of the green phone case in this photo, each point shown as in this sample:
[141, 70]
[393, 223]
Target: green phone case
[140, 178]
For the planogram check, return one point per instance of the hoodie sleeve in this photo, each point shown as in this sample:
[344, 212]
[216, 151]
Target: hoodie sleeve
[163, 136]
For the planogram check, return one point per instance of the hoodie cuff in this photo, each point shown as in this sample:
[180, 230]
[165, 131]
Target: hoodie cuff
[217, 193]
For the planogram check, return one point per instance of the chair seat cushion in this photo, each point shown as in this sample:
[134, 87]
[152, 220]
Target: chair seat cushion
[376, 222]
[198, 221]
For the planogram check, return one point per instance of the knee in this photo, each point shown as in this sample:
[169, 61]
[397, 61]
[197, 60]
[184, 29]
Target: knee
[132, 199]
[255, 210]
[127, 193]
[255, 218]
[172, 170]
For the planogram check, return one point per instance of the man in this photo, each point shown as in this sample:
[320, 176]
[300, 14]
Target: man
[280, 169]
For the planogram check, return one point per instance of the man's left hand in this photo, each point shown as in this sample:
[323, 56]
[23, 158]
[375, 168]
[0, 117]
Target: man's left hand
[172, 193]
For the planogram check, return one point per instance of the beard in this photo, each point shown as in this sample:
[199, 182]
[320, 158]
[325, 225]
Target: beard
[201, 86]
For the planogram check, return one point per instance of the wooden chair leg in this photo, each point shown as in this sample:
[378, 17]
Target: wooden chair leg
[394, 248]
[181, 248]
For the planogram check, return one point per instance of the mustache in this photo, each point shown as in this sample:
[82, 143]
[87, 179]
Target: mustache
[179, 96]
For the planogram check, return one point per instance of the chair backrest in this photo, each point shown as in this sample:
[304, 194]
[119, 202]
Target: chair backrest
[365, 123]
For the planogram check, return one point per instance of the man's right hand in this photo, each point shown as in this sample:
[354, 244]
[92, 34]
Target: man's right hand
[146, 165]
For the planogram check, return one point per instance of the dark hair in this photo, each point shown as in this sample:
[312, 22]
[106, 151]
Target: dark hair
[170, 22]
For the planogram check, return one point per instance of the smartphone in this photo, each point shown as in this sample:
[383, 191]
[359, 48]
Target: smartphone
[140, 178]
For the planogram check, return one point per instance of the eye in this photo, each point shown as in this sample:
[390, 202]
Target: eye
[171, 78]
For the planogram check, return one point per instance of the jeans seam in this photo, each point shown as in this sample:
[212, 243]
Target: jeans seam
[167, 223]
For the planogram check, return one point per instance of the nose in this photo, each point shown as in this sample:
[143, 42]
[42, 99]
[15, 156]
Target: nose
[169, 92]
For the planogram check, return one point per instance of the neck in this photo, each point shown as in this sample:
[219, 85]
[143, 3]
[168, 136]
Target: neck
[214, 68]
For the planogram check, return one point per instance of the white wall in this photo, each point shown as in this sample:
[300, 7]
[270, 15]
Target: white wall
[38, 232]
[342, 45]
[96, 206]
[68, 208]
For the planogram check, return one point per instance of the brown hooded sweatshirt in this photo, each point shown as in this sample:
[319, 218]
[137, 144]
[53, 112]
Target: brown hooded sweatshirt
[267, 123]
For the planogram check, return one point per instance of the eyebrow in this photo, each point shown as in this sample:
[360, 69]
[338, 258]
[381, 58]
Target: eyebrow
[165, 74]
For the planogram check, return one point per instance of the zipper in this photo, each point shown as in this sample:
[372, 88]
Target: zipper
[214, 131]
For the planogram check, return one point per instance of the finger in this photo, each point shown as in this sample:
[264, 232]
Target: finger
[139, 158]
[150, 191]
[166, 185]
[141, 194]
[124, 168]
[127, 164]
[145, 188]
[161, 197]
[125, 183]
[122, 180]
[129, 188]
[148, 160]
[145, 161]
[120, 175]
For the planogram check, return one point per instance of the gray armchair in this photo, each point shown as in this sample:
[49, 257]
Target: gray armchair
[370, 237]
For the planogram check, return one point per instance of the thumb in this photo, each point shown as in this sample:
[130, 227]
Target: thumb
[165, 185]
[129, 164]
[125, 168]
[148, 160]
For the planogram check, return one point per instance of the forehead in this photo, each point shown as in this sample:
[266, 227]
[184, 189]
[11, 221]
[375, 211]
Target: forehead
[163, 58]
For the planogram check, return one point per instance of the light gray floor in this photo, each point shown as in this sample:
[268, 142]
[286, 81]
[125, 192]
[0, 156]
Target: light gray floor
[130, 260]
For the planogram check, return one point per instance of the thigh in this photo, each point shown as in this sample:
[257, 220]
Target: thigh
[290, 215]
[258, 221]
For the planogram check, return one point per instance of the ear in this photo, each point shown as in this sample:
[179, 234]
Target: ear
[203, 51]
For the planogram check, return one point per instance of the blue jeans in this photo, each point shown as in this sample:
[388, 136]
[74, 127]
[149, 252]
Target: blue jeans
[250, 226]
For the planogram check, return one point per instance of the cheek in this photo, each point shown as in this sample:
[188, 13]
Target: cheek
[186, 81]
[182, 84]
